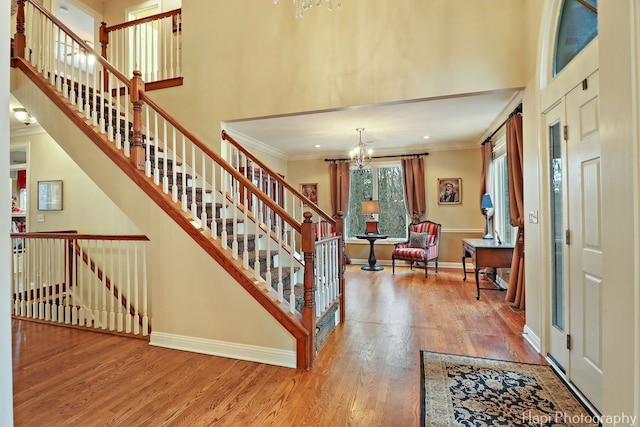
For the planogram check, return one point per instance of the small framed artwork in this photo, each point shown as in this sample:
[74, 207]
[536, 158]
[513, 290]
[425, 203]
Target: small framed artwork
[449, 191]
[50, 195]
[310, 191]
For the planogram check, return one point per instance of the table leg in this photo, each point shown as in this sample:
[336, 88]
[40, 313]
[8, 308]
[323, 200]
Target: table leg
[464, 267]
[477, 284]
[372, 266]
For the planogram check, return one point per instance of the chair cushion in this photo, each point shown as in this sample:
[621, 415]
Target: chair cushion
[418, 240]
[413, 254]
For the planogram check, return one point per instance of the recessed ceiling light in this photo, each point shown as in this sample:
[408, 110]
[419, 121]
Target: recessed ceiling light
[64, 9]
[426, 137]
[317, 146]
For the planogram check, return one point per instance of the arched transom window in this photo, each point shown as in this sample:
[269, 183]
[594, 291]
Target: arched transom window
[578, 25]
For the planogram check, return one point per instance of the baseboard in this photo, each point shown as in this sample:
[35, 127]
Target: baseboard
[358, 261]
[246, 352]
[531, 338]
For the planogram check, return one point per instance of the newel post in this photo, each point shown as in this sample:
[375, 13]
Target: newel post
[309, 306]
[19, 39]
[342, 255]
[104, 42]
[136, 156]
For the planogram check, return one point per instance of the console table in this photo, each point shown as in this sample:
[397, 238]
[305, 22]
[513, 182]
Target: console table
[485, 253]
[372, 266]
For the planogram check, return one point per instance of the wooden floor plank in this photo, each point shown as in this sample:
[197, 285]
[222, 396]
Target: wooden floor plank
[368, 373]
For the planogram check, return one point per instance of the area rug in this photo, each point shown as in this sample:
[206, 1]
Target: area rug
[471, 391]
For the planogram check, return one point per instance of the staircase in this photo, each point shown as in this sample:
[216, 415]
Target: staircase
[265, 242]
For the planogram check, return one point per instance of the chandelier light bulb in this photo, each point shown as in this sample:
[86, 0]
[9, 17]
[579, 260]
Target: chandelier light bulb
[360, 155]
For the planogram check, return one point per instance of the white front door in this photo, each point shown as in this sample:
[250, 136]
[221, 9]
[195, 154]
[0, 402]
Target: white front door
[585, 235]
[557, 173]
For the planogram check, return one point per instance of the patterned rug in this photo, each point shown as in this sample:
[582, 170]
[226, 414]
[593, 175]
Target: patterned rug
[470, 391]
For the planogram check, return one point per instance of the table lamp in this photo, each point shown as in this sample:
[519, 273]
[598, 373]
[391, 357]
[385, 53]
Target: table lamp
[487, 205]
[370, 207]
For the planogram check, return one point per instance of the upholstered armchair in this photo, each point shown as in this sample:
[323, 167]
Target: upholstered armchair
[422, 246]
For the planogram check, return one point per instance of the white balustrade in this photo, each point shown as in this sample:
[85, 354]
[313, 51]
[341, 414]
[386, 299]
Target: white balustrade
[82, 280]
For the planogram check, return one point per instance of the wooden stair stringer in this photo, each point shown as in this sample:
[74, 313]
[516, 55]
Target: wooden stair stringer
[291, 322]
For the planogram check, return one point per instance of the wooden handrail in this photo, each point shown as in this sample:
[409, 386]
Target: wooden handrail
[310, 204]
[141, 20]
[74, 236]
[223, 163]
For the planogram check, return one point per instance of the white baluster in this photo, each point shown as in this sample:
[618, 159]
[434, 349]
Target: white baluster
[245, 236]
[128, 318]
[203, 216]
[171, 64]
[267, 240]
[236, 198]
[156, 153]
[174, 187]
[145, 317]
[165, 178]
[120, 318]
[94, 112]
[183, 171]
[147, 142]
[112, 296]
[103, 303]
[95, 282]
[214, 197]
[280, 283]
[82, 314]
[125, 131]
[194, 205]
[256, 265]
[136, 288]
[223, 209]
[162, 31]
[110, 108]
[67, 281]
[75, 315]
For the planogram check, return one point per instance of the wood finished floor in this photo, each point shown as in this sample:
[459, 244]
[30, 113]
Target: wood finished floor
[368, 373]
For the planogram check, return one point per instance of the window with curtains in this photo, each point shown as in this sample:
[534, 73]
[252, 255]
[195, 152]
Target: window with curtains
[500, 193]
[381, 182]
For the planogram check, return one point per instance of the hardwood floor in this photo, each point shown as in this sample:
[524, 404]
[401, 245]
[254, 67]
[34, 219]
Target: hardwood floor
[368, 373]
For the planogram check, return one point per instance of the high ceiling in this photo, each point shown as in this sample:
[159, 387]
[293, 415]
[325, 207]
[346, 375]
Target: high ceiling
[455, 122]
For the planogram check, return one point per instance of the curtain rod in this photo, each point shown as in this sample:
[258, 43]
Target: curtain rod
[517, 110]
[381, 157]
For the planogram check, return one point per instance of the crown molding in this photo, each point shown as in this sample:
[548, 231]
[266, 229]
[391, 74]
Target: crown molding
[249, 142]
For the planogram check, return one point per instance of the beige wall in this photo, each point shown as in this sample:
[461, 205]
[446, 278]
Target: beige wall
[333, 60]
[86, 207]
[620, 100]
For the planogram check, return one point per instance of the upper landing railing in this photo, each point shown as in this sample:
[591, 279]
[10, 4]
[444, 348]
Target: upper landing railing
[151, 45]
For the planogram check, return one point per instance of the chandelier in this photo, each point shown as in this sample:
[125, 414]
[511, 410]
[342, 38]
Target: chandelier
[303, 5]
[361, 155]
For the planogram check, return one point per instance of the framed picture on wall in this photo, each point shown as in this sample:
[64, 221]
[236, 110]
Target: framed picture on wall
[50, 195]
[449, 191]
[310, 191]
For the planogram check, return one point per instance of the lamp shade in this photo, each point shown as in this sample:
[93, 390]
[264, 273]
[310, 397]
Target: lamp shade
[486, 202]
[370, 207]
